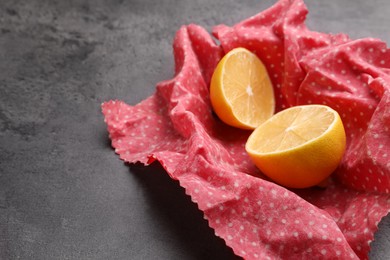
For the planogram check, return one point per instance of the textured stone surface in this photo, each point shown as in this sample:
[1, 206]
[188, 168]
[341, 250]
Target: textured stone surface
[64, 194]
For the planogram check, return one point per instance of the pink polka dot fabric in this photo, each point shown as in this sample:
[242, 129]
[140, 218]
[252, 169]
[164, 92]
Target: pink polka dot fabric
[257, 218]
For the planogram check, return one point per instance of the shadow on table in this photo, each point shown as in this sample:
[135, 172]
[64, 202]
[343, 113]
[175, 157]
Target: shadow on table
[176, 210]
[380, 247]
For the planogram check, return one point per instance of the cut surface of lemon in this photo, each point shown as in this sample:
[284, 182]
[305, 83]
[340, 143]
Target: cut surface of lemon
[299, 147]
[241, 91]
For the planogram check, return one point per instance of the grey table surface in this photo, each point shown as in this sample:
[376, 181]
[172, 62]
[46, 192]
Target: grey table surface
[64, 194]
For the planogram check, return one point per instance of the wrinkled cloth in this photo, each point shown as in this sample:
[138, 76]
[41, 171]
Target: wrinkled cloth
[257, 218]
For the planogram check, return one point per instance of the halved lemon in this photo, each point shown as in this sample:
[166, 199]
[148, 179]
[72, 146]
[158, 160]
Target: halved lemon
[241, 91]
[299, 147]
